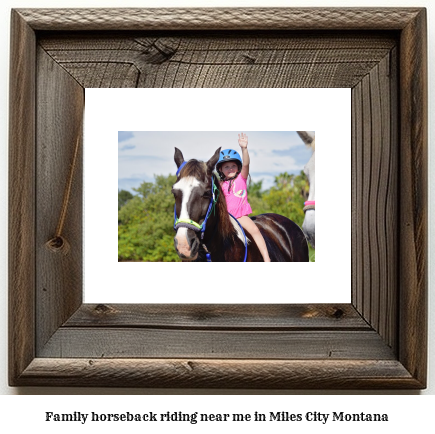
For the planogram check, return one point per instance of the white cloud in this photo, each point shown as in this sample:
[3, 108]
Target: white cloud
[149, 153]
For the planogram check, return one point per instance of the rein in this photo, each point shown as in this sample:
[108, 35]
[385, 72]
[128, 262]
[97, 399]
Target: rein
[246, 241]
[190, 224]
[309, 204]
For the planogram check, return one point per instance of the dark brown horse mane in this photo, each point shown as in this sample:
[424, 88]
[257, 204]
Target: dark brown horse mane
[226, 228]
[198, 169]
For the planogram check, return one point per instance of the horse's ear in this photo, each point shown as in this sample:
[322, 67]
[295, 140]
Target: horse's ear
[212, 162]
[178, 157]
[307, 138]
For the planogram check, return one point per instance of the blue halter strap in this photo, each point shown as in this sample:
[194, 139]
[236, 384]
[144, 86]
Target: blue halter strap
[190, 224]
[181, 166]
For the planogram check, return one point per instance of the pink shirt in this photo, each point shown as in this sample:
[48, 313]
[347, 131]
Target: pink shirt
[237, 197]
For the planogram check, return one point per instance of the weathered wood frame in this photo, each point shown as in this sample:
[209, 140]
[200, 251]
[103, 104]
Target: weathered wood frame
[377, 341]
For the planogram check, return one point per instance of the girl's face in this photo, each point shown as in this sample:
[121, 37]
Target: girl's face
[230, 169]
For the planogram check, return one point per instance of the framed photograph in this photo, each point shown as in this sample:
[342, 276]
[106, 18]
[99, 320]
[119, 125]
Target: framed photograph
[375, 341]
[137, 142]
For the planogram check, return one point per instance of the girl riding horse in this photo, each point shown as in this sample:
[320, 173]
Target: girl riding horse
[204, 227]
[234, 172]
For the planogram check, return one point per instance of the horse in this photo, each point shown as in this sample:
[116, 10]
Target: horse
[205, 231]
[308, 226]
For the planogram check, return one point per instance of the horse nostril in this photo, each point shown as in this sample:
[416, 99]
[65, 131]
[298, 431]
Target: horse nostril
[195, 244]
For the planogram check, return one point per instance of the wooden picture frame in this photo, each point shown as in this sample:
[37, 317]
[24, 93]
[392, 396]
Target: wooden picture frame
[377, 341]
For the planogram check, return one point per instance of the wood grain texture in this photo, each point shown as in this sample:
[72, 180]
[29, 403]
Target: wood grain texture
[21, 197]
[228, 374]
[220, 317]
[238, 60]
[220, 18]
[59, 279]
[377, 342]
[95, 342]
[375, 198]
[413, 190]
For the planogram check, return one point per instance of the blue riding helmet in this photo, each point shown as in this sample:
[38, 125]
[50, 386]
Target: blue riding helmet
[228, 155]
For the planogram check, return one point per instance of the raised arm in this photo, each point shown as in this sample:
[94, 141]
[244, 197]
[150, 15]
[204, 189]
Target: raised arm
[243, 143]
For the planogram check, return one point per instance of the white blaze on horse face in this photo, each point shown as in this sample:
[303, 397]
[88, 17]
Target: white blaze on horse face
[185, 185]
[308, 225]
[310, 171]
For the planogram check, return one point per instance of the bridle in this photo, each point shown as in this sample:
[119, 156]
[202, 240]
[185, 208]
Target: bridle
[196, 227]
[190, 224]
[309, 204]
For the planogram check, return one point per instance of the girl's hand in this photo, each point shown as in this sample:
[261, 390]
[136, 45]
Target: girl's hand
[243, 141]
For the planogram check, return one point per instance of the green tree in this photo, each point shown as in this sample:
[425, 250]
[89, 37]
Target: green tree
[287, 196]
[123, 197]
[145, 220]
[145, 230]
[255, 188]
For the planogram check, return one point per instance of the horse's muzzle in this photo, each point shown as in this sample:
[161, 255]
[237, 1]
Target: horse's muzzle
[308, 226]
[186, 245]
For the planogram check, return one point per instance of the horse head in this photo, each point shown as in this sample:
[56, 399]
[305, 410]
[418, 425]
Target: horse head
[194, 196]
[308, 225]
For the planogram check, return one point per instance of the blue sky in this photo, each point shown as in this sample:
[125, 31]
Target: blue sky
[143, 154]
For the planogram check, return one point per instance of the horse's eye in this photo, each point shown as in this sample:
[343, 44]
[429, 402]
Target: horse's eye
[206, 195]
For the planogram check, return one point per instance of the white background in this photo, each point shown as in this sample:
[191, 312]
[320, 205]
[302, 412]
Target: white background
[327, 111]
[410, 413]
